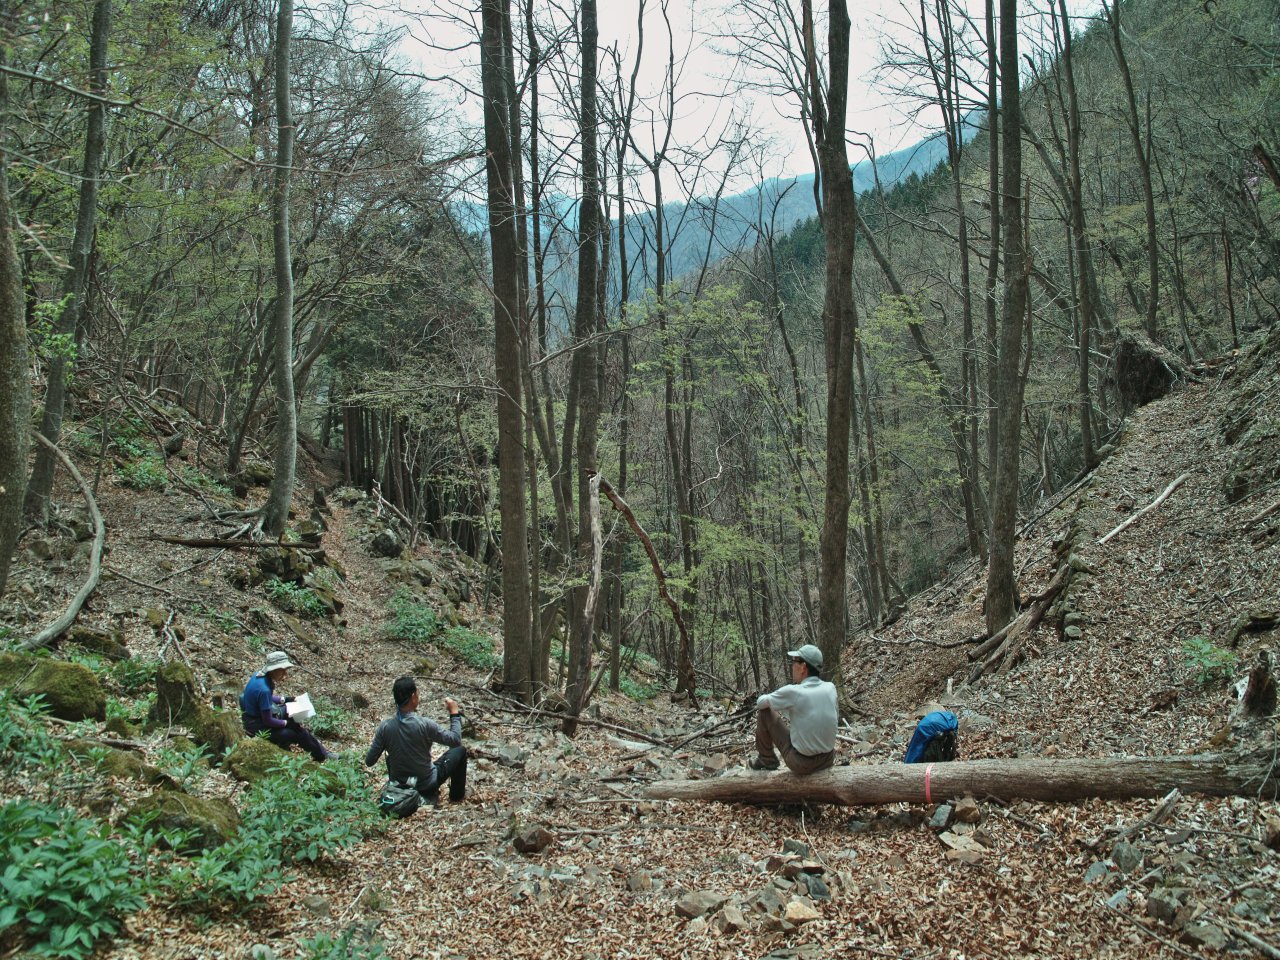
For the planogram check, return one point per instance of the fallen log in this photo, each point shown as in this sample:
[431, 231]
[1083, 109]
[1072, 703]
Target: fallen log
[1053, 780]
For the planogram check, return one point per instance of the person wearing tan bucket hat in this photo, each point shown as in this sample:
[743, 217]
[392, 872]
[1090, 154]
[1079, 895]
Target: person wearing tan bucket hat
[263, 710]
[799, 719]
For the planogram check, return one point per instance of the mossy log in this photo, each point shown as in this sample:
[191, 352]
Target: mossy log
[1051, 780]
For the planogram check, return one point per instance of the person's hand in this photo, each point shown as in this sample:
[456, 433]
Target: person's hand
[451, 705]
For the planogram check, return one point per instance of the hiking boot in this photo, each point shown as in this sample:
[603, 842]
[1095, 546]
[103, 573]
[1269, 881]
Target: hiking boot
[762, 763]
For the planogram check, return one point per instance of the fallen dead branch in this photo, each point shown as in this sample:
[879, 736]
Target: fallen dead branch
[622, 507]
[1004, 649]
[1150, 506]
[56, 629]
[1039, 779]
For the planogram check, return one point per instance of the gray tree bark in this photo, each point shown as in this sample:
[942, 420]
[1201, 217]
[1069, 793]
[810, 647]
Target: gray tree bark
[517, 655]
[1051, 780]
[276, 512]
[41, 485]
[1002, 591]
[15, 380]
[839, 319]
[585, 360]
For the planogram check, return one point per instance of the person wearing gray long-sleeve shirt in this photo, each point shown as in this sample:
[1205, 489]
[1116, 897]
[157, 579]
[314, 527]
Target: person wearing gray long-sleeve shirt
[406, 738]
[808, 742]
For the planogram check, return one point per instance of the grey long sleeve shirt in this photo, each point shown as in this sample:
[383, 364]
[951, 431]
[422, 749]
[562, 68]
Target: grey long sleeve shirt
[406, 739]
[811, 708]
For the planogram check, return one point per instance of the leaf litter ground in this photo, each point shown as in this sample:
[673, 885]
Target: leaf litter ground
[1043, 882]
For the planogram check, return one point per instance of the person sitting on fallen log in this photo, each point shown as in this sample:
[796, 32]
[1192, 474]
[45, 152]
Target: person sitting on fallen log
[798, 720]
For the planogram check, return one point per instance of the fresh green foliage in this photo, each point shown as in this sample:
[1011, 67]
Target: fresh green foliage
[147, 473]
[292, 598]
[183, 766]
[330, 720]
[354, 943]
[46, 344]
[413, 621]
[24, 737]
[66, 881]
[134, 674]
[418, 623]
[202, 481]
[302, 813]
[474, 648]
[1211, 663]
[636, 690]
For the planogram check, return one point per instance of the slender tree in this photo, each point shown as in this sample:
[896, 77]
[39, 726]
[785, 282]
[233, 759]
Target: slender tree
[585, 360]
[1001, 585]
[827, 109]
[517, 657]
[77, 275]
[15, 380]
[284, 463]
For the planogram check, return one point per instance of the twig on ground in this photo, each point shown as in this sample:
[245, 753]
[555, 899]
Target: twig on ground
[1256, 942]
[1147, 930]
[1150, 506]
[55, 629]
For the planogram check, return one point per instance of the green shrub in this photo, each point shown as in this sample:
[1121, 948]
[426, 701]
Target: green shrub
[24, 737]
[330, 720]
[146, 473]
[197, 478]
[133, 674]
[304, 813]
[354, 943]
[413, 621]
[66, 882]
[183, 766]
[292, 598]
[418, 623]
[1210, 662]
[636, 690]
[475, 648]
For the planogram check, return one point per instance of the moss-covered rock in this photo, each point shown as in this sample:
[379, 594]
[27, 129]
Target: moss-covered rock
[210, 822]
[177, 702]
[109, 643]
[115, 762]
[120, 727]
[252, 758]
[219, 730]
[71, 690]
[176, 696]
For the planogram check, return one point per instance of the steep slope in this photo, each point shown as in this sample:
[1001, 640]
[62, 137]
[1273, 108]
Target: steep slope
[621, 876]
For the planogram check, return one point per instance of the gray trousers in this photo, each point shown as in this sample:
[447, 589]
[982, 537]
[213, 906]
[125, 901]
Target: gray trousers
[772, 732]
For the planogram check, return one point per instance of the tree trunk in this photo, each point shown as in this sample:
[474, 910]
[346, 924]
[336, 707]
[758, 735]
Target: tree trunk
[95, 144]
[276, 510]
[15, 381]
[585, 360]
[517, 658]
[1050, 780]
[839, 320]
[1143, 156]
[1001, 587]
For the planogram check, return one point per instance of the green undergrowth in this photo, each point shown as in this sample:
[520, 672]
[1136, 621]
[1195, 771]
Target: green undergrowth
[417, 623]
[69, 879]
[294, 598]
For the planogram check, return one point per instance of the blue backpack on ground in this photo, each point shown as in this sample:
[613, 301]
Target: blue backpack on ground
[935, 738]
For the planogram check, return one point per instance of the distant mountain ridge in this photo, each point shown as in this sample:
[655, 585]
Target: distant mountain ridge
[780, 204]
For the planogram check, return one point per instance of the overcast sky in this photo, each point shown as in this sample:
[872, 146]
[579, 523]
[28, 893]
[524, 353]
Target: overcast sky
[707, 35]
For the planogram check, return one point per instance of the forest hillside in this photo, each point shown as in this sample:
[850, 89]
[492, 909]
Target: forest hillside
[120, 809]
